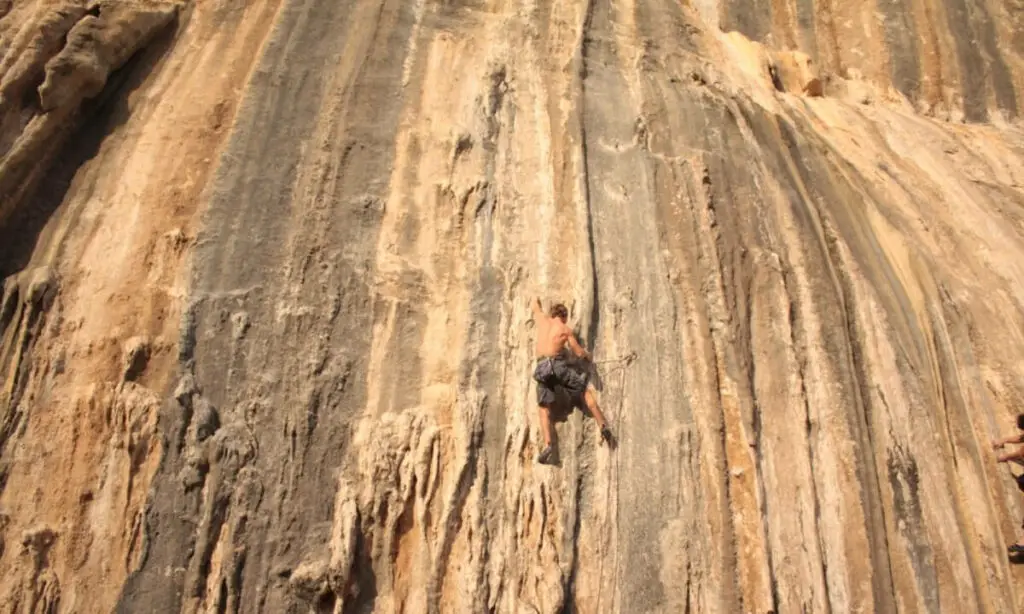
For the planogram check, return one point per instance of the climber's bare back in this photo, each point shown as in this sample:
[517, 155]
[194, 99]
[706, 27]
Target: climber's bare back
[552, 334]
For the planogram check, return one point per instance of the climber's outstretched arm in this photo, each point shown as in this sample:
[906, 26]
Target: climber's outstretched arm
[576, 348]
[538, 313]
[1018, 438]
[1016, 455]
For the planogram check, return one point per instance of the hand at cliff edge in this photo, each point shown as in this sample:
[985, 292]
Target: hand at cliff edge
[1015, 438]
[1017, 455]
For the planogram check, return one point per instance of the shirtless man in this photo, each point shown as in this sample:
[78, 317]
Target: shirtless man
[1016, 456]
[553, 370]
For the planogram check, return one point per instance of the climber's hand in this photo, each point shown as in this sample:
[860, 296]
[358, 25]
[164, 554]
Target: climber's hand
[535, 307]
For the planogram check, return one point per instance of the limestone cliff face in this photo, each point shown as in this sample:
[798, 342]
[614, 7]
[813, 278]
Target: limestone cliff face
[264, 333]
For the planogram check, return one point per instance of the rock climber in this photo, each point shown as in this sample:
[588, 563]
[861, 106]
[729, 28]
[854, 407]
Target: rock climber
[1018, 457]
[554, 371]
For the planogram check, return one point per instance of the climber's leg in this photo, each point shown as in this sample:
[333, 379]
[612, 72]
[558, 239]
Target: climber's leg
[595, 410]
[545, 428]
[545, 397]
[545, 424]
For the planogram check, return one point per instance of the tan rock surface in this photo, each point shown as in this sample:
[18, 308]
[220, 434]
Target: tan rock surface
[264, 332]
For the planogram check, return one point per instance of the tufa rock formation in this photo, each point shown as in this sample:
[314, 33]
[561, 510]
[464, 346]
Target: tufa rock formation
[264, 333]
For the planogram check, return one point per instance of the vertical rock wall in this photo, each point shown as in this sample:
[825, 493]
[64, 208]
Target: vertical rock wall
[265, 337]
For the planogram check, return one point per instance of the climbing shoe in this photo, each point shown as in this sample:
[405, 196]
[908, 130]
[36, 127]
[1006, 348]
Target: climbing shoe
[606, 434]
[1016, 549]
[544, 458]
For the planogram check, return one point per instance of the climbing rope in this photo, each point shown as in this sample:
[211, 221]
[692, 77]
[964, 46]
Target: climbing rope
[613, 472]
[627, 359]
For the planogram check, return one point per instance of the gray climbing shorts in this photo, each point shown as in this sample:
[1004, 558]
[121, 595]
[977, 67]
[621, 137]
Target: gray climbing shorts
[553, 373]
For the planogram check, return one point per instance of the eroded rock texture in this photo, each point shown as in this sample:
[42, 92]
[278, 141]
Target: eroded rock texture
[265, 338]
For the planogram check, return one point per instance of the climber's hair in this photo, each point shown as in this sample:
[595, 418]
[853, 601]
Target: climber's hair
[1020, 421]
[559, 311]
